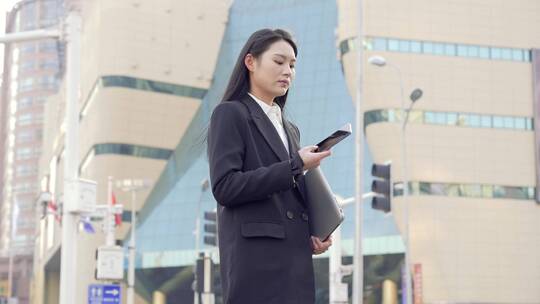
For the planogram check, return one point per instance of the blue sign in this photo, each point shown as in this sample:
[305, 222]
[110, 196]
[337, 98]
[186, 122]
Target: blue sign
[104, 294]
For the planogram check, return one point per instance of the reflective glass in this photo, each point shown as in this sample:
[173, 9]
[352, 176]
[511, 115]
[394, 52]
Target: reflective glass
[463, 119]
[462, 50]
[495, 53]
[450, 49]
[506, 54]
[393, 45]
[473, 51]
[379, 44]
[509, 122]
[429, 117]
[519, 123]
[416, 116]
[498, 122]
[474, 120]
[483, 52]
[529, 124]
[517, 55]
[440, 118]
[472, 190]
[451, 119]
[487, 191]
[438, 48]
[527, 55]
[427, 47]
[485, 121]
[404, 46]
[416, 47]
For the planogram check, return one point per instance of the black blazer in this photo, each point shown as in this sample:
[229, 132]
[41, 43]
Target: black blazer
[264, 239]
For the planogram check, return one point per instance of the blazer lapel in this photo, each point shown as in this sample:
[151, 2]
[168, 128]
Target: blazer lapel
[266, 128]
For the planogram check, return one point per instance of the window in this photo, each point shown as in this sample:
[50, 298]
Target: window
[393, 44]
[428, 47]
[25, 102]
[517, 55]
[519, 123]
[429, 117]
[509, 122]
[472, 51]
[496, 53]
[416, 47]
[462, 50]
[450, 49]
[483, 52]
[379, 44]
[474, 120]
[452, 118]
[485, 121]
[440, 118]
[404, 46]
[438, 48]
[506, 54]
[498, 122]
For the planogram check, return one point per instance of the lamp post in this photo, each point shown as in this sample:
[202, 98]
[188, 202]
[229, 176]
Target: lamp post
[380, 61]
[133, 186]
[204, 186]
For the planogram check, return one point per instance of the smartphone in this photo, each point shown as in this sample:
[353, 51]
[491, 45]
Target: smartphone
[332, 140]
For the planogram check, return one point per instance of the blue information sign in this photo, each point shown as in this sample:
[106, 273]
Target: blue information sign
[104, 294]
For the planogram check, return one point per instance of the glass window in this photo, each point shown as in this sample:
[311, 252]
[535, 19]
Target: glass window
[509, 122]
[463, 119]
[424, 188]
[516, 192]
[529, 124]
[440, 118]
[462, 50]
[506, 54]
[530, 192]
[495, 53]
[487, 191]
[517, 55]
[485, 121]
[393, 45]
[438, 48]
[474, 120]
[526, 55]
[472, 51]
[472, 190]
[416, 116]
[499, 191]
[483, 52]
[450, 49]
[379, 44]
[25, 102]
[498, 122]
[453, 190]
[451, 118]
[26, 65]
[427, 47]
[48, 46]
[429, 117]
[416, 47]
[438, 189]
[519, 123]
[404, 46]
[344, 47]
[392, 115]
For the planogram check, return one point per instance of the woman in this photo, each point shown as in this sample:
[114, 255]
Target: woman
[256, 170]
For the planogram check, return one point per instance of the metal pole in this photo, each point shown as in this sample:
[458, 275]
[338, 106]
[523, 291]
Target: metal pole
[404, 119]
[109, 221]
[131, 247]
[68, 273]
[358, 259]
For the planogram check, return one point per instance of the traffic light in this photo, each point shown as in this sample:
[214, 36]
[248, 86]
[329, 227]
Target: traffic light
[210, 228]
[382, 187]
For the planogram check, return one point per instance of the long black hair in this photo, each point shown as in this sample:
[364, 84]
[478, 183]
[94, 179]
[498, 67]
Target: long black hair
[256, 45]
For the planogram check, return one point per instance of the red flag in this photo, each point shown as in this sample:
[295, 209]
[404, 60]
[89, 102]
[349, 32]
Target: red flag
[117, 217]
[53, 208]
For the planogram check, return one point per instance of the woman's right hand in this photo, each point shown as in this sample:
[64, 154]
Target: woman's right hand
[310, 158]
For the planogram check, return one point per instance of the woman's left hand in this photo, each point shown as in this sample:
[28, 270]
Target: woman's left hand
[320, 246]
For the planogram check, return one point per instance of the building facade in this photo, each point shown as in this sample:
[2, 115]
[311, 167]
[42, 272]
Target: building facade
[470, 140]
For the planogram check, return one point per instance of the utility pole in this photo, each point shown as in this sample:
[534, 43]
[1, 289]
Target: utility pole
[68, 275]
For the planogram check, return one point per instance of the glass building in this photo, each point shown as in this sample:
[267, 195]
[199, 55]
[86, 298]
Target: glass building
[318, 103]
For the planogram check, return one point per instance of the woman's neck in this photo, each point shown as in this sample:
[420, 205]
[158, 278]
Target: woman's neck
[266, 99]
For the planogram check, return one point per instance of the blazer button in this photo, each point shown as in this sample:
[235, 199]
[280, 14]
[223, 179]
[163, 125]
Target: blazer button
[290, 215]
[305, 217]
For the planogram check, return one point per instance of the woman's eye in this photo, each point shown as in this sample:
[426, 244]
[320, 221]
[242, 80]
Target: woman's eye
[292, 66]
[278, 62]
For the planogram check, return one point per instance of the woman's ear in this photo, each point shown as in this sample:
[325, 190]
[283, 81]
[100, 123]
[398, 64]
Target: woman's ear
[249, 61]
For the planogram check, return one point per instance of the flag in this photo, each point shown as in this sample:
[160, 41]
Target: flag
[87, 225]
[53, 209]
[117, 217]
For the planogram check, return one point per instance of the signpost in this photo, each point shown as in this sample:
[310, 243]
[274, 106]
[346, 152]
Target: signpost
[104, 294]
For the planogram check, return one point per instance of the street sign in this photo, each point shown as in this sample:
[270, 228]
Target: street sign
[104, 294]
[110, 263]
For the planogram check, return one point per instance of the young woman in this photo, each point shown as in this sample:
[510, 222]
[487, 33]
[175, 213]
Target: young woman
[256, 170]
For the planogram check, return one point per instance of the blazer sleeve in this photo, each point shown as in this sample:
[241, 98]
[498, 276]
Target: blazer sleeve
[226, 150]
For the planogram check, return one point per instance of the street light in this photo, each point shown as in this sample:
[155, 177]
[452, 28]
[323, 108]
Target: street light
[416, 94]
[133, 186]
